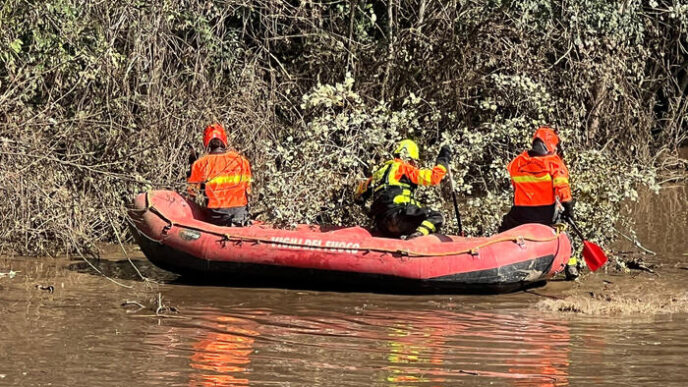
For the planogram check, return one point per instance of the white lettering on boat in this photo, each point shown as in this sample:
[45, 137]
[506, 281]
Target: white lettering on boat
[316, 244]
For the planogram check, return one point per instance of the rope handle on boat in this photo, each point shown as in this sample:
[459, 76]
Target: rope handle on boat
[407, 253]
[519, 239]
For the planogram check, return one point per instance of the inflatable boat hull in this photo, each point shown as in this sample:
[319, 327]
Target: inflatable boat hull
[173, 236]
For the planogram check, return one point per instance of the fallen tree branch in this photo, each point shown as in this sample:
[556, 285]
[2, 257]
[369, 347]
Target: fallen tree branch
[635, 242]
[100, 272]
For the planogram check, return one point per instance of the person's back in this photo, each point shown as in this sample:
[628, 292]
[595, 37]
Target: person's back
[541, 182]
[538, 181]
[395, 210]
[223, 177]
[226, 176]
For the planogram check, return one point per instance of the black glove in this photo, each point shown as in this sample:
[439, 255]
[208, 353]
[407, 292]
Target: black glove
[444, 157]
[193, 156]
[568, 210]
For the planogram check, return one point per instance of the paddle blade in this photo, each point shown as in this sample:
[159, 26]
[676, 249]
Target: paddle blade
[593, 255]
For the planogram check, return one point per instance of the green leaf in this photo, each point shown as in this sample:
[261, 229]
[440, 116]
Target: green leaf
[16, 45]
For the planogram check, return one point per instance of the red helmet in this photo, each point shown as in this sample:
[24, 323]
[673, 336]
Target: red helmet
[214, 131]
[548, 136]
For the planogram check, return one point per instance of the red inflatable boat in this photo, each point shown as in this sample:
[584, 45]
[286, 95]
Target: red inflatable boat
[172, 234]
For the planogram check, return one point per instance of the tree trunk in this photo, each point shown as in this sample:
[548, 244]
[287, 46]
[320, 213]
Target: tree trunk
[350, 48]
[421, 16]
[390, 47]
[597, 101]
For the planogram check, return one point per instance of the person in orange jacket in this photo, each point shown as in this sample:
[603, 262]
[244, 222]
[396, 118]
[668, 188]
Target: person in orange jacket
[541, 182]
[395, 211]
[223, 179]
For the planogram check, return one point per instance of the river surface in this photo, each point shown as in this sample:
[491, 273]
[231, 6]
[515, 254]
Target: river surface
[63, 324]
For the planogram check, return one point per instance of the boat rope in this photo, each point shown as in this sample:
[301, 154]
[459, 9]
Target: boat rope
[519, 239]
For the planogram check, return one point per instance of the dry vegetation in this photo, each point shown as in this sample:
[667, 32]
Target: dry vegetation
[100, 100]
[642, 297]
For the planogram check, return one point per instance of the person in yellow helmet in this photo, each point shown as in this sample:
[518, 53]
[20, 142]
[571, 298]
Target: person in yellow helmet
[395, 211]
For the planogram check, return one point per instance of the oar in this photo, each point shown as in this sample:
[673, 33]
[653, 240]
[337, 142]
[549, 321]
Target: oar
[593, 254]
[456, 203]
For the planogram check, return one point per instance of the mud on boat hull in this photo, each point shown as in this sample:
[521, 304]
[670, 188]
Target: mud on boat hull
[173, 236]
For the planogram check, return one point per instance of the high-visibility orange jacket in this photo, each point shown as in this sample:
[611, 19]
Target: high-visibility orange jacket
[539, 180]
[224, 178]
[394, 183]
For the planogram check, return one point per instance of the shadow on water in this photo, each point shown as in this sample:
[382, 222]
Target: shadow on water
[355, 285]
[129, 270]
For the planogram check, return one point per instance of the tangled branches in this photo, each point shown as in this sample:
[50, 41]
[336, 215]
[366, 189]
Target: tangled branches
[102, 100]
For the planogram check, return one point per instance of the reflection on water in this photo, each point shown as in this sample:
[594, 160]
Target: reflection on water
[221, 356]
[268, 337]
[378, 347]
[430, 349]
[409, 348]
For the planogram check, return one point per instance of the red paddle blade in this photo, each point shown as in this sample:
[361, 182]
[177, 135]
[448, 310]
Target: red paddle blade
[593, 255]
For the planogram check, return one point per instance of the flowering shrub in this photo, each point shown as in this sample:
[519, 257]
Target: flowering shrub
[314, 168]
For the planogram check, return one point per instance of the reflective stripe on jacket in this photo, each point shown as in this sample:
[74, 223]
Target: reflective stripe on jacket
[539, 180]
[224, 178]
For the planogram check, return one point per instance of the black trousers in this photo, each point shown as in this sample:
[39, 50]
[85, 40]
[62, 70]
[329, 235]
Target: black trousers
[235, 216]
[405, 220]
[519, 215]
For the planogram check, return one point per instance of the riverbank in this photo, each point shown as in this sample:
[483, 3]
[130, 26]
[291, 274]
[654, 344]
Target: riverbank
[651, 276]
[628, 284]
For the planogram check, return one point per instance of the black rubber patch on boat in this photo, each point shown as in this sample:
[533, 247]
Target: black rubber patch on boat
[189, 235]
[527, 271]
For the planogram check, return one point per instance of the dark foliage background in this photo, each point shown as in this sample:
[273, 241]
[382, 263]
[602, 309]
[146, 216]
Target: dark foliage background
[101, 100]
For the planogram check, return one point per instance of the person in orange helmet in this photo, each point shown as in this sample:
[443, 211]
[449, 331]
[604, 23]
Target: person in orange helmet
[222, 178]
[540, 180]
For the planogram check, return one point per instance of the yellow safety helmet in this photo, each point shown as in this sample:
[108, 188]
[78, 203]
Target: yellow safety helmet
[407, 148]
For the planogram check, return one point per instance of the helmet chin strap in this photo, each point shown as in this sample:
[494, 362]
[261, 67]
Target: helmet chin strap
[404, 157]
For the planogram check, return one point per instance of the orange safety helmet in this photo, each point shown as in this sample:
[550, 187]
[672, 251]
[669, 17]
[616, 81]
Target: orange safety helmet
[214, 131]
[548, 136]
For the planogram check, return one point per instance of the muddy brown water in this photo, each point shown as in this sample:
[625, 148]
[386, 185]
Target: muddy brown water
[63, 324]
